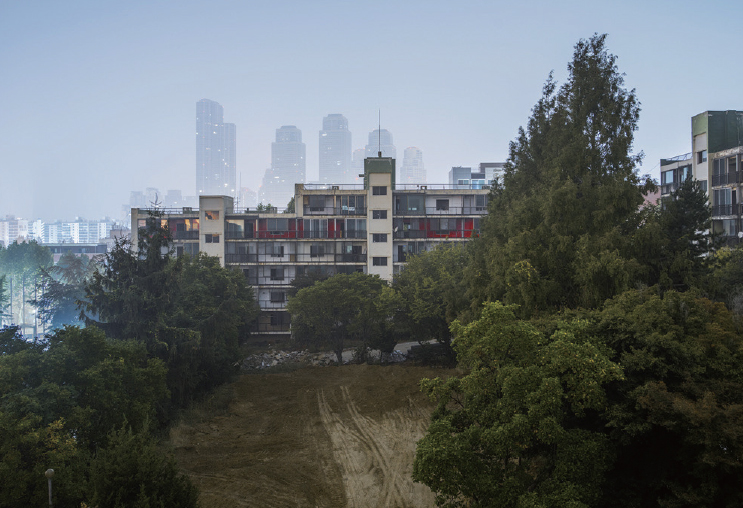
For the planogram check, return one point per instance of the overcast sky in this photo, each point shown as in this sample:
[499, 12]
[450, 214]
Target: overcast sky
[99, 97]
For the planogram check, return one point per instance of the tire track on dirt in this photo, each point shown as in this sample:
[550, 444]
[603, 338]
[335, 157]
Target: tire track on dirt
[390, 489]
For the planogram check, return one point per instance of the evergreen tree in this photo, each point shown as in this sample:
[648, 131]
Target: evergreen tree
[63, 289]
[557, 229]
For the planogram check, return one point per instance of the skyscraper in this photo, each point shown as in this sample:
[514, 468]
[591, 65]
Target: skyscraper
[215, 151]
[288, 166]
[381, 141]
[412, 170]
[335, 150]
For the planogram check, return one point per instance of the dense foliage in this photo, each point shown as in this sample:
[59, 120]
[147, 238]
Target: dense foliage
[560, 226]
[60, 397]
[638, 404]
[188, 311]
[344, 307]
[580, 389]
[432, 293]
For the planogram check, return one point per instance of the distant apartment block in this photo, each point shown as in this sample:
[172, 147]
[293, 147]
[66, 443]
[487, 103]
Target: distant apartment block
[715, 160]
[372, 228]
[486, 174]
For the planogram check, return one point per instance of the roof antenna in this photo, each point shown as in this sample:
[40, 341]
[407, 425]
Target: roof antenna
[379, 133]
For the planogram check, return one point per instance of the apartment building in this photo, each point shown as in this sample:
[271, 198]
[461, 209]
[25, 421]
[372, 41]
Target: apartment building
[370, 228]
[715, 160]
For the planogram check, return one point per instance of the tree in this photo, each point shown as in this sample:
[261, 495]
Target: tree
[59, 398]
[22, 263]
[344, 307]
[556, 233]
[638, 404]
[131, 472]
[727, 278]
[672, 242]
[432, 293]
[63, 289]
[189, 311]
[4, 296]
[675, 418]
[509, 433]
[290, 206]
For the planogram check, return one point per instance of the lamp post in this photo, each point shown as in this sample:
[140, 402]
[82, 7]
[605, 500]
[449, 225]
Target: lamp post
[49, 473]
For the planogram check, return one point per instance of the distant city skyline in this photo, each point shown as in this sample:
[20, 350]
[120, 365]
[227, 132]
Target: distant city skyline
[100, 95]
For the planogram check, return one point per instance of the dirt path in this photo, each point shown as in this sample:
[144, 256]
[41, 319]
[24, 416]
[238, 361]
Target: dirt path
[316, 437]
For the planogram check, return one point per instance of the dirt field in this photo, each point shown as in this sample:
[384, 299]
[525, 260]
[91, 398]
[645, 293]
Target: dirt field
[315, 437]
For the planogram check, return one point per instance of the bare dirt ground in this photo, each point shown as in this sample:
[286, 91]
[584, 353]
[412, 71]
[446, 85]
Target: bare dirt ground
[315, 437]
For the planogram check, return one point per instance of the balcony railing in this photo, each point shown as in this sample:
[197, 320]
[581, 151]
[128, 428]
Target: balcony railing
[719, 210]
[445, 211]
[186, 235]
[241, 258]
[337, 210]
[725, 178]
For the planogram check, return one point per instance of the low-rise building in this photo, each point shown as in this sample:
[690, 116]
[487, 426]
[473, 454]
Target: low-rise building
[370, 228]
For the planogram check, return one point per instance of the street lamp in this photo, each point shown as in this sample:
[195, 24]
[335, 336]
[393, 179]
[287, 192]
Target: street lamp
[49, 473]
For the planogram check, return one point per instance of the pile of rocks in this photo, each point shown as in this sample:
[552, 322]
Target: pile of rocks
[273, 358]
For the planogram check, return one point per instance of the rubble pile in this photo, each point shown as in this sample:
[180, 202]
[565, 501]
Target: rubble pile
[273, 358]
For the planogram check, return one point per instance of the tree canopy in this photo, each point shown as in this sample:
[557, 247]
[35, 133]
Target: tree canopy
[341, 308]
[189, 311]
[557, 230]
[637, 404]
[432, 293]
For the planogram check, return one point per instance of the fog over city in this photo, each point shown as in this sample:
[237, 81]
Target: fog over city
[99, 97]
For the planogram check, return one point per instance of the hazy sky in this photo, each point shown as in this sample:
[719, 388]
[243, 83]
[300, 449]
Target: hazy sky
[99, 97]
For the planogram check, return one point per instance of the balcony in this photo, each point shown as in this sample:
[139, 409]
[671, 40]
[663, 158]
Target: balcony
[721, 210]
[446, 212]
[186, 235]
[240, 258]
[725, 178]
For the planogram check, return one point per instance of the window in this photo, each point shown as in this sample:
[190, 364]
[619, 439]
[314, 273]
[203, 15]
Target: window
[211, 214]
[442, 204]
[701, 156]
[379, 190]
[277, 296]
[379, 214]
[317, 203]
[277, 274]
[379, 237]
[275, 251]
[211, 238]
[480, 202]
[317, 250]
[379, 261]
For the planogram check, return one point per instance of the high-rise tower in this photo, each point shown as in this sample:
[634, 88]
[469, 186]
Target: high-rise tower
[288, 166]
[335, 150]
[412, 170]
[215, 151]
[381, 141]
